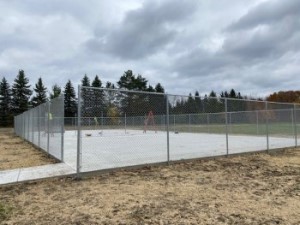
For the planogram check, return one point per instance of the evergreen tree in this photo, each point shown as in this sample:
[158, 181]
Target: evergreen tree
[214, 105]
[198, 102]
[70, 100]
[86, 96]
[85, 81]
[159, 88]
[110, 85]
[190, 106]
[212, 94]
[56, 91]
[97, 82]
[5, 103]
[150, 89]
[224, 94]
[21, 93]
[130, 82]
[239, 96]
[40, 91]
[96, 101]
[232, 94]
[134, 104]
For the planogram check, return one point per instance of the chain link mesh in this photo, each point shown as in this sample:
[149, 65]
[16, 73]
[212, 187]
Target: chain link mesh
[43, 126]
[124, 128]
[119, 128]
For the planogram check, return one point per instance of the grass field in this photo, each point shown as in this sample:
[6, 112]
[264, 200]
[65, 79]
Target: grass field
[17, 153]
[251, 189]
[284, 129]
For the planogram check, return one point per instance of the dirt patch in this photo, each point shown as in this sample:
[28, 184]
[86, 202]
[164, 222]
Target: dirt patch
[252, 189]
[17, 153]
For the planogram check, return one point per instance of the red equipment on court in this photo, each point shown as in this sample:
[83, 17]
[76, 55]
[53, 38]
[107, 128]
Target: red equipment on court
[149, 121]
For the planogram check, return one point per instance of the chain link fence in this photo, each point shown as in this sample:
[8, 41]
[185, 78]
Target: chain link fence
[118, 128]
[43, 126]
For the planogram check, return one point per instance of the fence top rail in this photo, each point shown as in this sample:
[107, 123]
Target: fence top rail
[123, 90]
[177, 95]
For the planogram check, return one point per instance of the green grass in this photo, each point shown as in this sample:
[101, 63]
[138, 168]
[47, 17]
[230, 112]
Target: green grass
[284, 129]
[5, 211]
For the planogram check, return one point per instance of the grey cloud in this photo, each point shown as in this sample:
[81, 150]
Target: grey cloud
[177, 43]
[199, 63]
[267, 13]
[270, 30]
[144, 31]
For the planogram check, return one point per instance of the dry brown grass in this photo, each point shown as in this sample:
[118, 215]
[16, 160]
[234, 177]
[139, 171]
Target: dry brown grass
[253, 189]
[17, 153]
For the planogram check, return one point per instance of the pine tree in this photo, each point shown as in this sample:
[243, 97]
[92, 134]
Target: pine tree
[190, 106]
[85, 81]
[150, 89]
[110, 85]
[159, 88]
[97, 98]
[5, 103]
[56, 91]
[130, 82]
[86, 96]
[21, 93]
[70, 100]
[40, 91]
[97, 82]
[232, 94]
[198, 102]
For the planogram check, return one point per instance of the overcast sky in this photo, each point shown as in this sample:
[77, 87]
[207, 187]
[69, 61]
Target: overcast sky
[251, 46]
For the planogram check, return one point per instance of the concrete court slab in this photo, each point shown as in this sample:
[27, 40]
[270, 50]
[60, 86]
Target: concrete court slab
[35, 173]
[119, 148]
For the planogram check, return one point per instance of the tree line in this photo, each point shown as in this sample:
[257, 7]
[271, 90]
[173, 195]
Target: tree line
[19, 97]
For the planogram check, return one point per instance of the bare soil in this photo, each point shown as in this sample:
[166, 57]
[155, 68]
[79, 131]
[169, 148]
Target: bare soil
[17, 153]
[250, 189]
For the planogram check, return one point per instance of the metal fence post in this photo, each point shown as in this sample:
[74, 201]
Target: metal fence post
[27, 128]
[226, 121]
[48, 126]
[32, 123]
[256, 122]
[295, 125]
[62, 128]
[174, 122]
[189, 122]
[23, 124]
[230, 122]
[207, 115]
[125, 123]
[267, 125]
[39, 126]
[78, 167]
[167, 124]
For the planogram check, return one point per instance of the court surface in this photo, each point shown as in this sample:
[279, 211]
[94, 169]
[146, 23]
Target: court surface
[106, 149]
